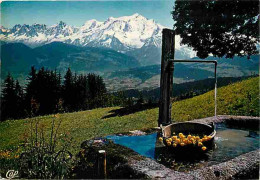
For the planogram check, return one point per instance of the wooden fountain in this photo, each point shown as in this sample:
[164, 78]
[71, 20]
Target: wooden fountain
[166, 87]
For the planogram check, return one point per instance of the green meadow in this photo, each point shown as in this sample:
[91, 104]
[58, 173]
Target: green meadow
[241, 98]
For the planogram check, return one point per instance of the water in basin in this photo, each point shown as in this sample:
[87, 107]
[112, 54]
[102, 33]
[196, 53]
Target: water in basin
[229, 143]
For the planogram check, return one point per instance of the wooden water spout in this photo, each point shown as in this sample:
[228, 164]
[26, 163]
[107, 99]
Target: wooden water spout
[166, 81]
[168, 49]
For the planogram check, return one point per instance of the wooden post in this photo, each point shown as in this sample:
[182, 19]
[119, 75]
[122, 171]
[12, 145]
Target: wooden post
[166, 83]
[102, 164]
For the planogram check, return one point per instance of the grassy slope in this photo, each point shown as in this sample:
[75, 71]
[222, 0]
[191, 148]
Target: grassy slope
[233, 99]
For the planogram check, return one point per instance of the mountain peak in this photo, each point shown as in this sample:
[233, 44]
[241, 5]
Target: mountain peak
[127, 18]
[122, 34]
[136, 15]
[62, 24]
[91, 20]
[90, 24]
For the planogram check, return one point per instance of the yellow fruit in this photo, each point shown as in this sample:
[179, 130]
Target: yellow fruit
[169, 143]
[189, 136]
[185, 141]
[204, 148]
[200, 144]
[180, 134]
[178, 140]
[174, 145]
[191, 139]
[189, 142]
[197, 138]
[174, 137]
[170, 139]
[182, 144]
[200, 140]
[160, 139]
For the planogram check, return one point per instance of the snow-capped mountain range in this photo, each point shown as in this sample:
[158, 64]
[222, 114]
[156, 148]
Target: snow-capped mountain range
[122, 34]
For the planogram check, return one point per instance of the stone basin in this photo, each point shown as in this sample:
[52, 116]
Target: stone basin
[123, 163]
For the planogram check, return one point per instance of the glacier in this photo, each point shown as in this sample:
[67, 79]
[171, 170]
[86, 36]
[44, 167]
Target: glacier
[122, 34]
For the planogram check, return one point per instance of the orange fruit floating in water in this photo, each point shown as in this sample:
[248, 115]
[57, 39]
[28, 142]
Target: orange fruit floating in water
[204, 139]
[174, 137]
[204, 148]
[209, 137]
[183, 140]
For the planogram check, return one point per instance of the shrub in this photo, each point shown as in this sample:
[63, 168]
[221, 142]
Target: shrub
[46, 156]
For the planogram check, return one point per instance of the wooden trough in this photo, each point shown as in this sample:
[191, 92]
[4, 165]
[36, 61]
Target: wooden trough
[191, 128]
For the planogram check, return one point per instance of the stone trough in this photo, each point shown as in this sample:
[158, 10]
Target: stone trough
[122, 162]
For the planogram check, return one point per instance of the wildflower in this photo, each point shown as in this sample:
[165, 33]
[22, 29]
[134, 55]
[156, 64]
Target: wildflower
[56, 115]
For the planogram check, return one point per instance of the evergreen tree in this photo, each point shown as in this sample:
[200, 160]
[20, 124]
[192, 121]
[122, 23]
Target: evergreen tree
[68, 89]
[141, 98]
[45, 94]
[129, 102]
[81, 92]
[30, 90]
[20, 100]
[44, 89]
[12, 98]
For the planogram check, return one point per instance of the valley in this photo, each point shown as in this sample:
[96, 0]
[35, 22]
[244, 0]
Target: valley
[125, 51]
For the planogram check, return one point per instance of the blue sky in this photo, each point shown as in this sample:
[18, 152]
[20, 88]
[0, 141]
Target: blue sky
[76, 13]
